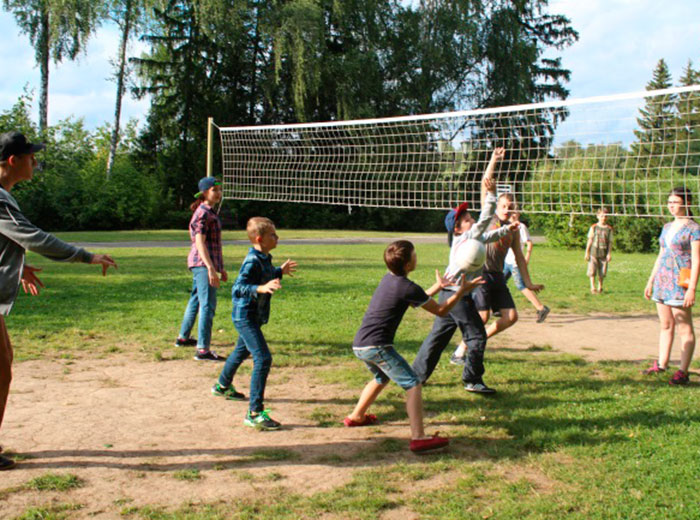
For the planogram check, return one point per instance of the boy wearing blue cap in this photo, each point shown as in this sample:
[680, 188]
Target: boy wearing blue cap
[205, 261]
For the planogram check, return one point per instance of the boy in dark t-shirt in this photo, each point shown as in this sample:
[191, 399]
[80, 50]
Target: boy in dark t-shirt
[373, 343]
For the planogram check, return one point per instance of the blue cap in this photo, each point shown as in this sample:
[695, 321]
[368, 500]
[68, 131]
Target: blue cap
[450, 220]
[454, 214]
[205, 183]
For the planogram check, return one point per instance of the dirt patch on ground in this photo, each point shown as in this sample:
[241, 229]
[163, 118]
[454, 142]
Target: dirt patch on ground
[595, 337]
[150, 433]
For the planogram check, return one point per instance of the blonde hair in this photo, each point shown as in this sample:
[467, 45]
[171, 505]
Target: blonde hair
[258, 226]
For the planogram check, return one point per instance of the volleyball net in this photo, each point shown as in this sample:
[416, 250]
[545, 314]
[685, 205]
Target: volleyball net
[623, 152]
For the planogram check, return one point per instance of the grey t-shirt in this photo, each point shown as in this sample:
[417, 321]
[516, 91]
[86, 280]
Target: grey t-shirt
[386, 309]
[496, 251]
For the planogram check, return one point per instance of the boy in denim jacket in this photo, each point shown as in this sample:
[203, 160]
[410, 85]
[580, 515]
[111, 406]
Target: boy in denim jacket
[257, 280]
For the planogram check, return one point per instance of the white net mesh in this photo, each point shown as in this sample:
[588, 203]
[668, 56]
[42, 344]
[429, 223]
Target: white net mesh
[623, 152]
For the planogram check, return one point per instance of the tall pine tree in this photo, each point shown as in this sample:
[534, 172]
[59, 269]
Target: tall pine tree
[657, 122]
[688, 125]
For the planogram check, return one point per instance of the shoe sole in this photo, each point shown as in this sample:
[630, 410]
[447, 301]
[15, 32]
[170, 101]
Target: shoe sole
[242, 398]
[262, 428]
[490, 391]
[424, 451]
[207, 359]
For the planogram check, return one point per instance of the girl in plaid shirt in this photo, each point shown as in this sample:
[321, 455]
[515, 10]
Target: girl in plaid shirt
[205, 261]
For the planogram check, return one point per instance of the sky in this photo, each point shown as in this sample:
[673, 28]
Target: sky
[620, 42]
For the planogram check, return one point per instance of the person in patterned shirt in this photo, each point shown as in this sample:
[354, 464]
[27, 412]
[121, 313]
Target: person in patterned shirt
[679, 250]
[598, 249]
[206, 262]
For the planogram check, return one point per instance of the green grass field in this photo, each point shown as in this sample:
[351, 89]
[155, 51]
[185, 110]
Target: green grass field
[563, 438]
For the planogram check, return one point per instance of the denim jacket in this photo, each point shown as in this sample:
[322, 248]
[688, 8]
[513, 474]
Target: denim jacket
[248, 304]
[17, 234]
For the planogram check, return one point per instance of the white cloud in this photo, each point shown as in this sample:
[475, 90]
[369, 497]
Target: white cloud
[622, 40]
[83, 88]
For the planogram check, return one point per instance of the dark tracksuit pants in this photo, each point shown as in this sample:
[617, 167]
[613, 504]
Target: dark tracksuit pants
[465, 316]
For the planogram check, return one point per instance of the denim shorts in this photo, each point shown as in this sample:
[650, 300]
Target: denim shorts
[512, 270]
[386, 364]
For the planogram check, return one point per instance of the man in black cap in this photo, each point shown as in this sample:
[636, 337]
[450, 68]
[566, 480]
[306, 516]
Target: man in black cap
[17, 234]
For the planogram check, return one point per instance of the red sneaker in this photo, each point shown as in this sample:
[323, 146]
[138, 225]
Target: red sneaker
[368, 419]
[679, 378]
[431, 443]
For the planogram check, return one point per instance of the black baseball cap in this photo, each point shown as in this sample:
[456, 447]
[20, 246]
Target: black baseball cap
[14, 143]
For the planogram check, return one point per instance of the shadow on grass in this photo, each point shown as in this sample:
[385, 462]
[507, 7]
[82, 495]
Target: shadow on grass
[357, 453]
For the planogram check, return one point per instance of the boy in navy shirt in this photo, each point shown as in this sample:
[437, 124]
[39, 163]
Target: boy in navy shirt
[373, 343]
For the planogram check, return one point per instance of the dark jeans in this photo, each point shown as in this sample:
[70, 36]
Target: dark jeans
[251, 342]
[465, 316]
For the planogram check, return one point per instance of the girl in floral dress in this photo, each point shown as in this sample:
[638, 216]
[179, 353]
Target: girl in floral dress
[680, 248]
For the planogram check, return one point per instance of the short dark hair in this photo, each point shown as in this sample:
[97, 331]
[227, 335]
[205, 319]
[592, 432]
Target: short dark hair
[397, 255]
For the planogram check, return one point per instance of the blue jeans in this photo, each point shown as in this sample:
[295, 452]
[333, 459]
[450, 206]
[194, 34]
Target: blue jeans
[251, 342]
[512, 270]
[202, 300]
[387, 364]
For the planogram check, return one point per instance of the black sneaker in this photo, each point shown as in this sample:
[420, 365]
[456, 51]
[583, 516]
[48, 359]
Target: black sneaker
[479, 388]
[189, 342]
[6, 463]
[208, 355]
[542, 315]
[229, 393]
[261, 421]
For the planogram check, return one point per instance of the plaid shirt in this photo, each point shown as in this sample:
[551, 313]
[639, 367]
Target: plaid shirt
[205, 222]
[248, 305]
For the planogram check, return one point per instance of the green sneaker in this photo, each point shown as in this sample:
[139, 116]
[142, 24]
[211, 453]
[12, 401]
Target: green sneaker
[261, 421]
[229, 393]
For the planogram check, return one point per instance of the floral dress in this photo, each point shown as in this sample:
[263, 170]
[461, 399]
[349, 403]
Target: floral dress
[676, 254]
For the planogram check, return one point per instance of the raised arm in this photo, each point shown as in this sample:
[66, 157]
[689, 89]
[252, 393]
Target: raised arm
[497, 155]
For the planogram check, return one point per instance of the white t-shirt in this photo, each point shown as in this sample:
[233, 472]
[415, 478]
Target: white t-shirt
[524, 237]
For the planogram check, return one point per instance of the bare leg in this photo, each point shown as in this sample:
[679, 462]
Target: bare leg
[684, 323]
[485, 315]
[592, 278]
[367, 397]
[5, 366]
[532, 298]
[414, 408]
[666, 333]
[507, 319]
[461, 350]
